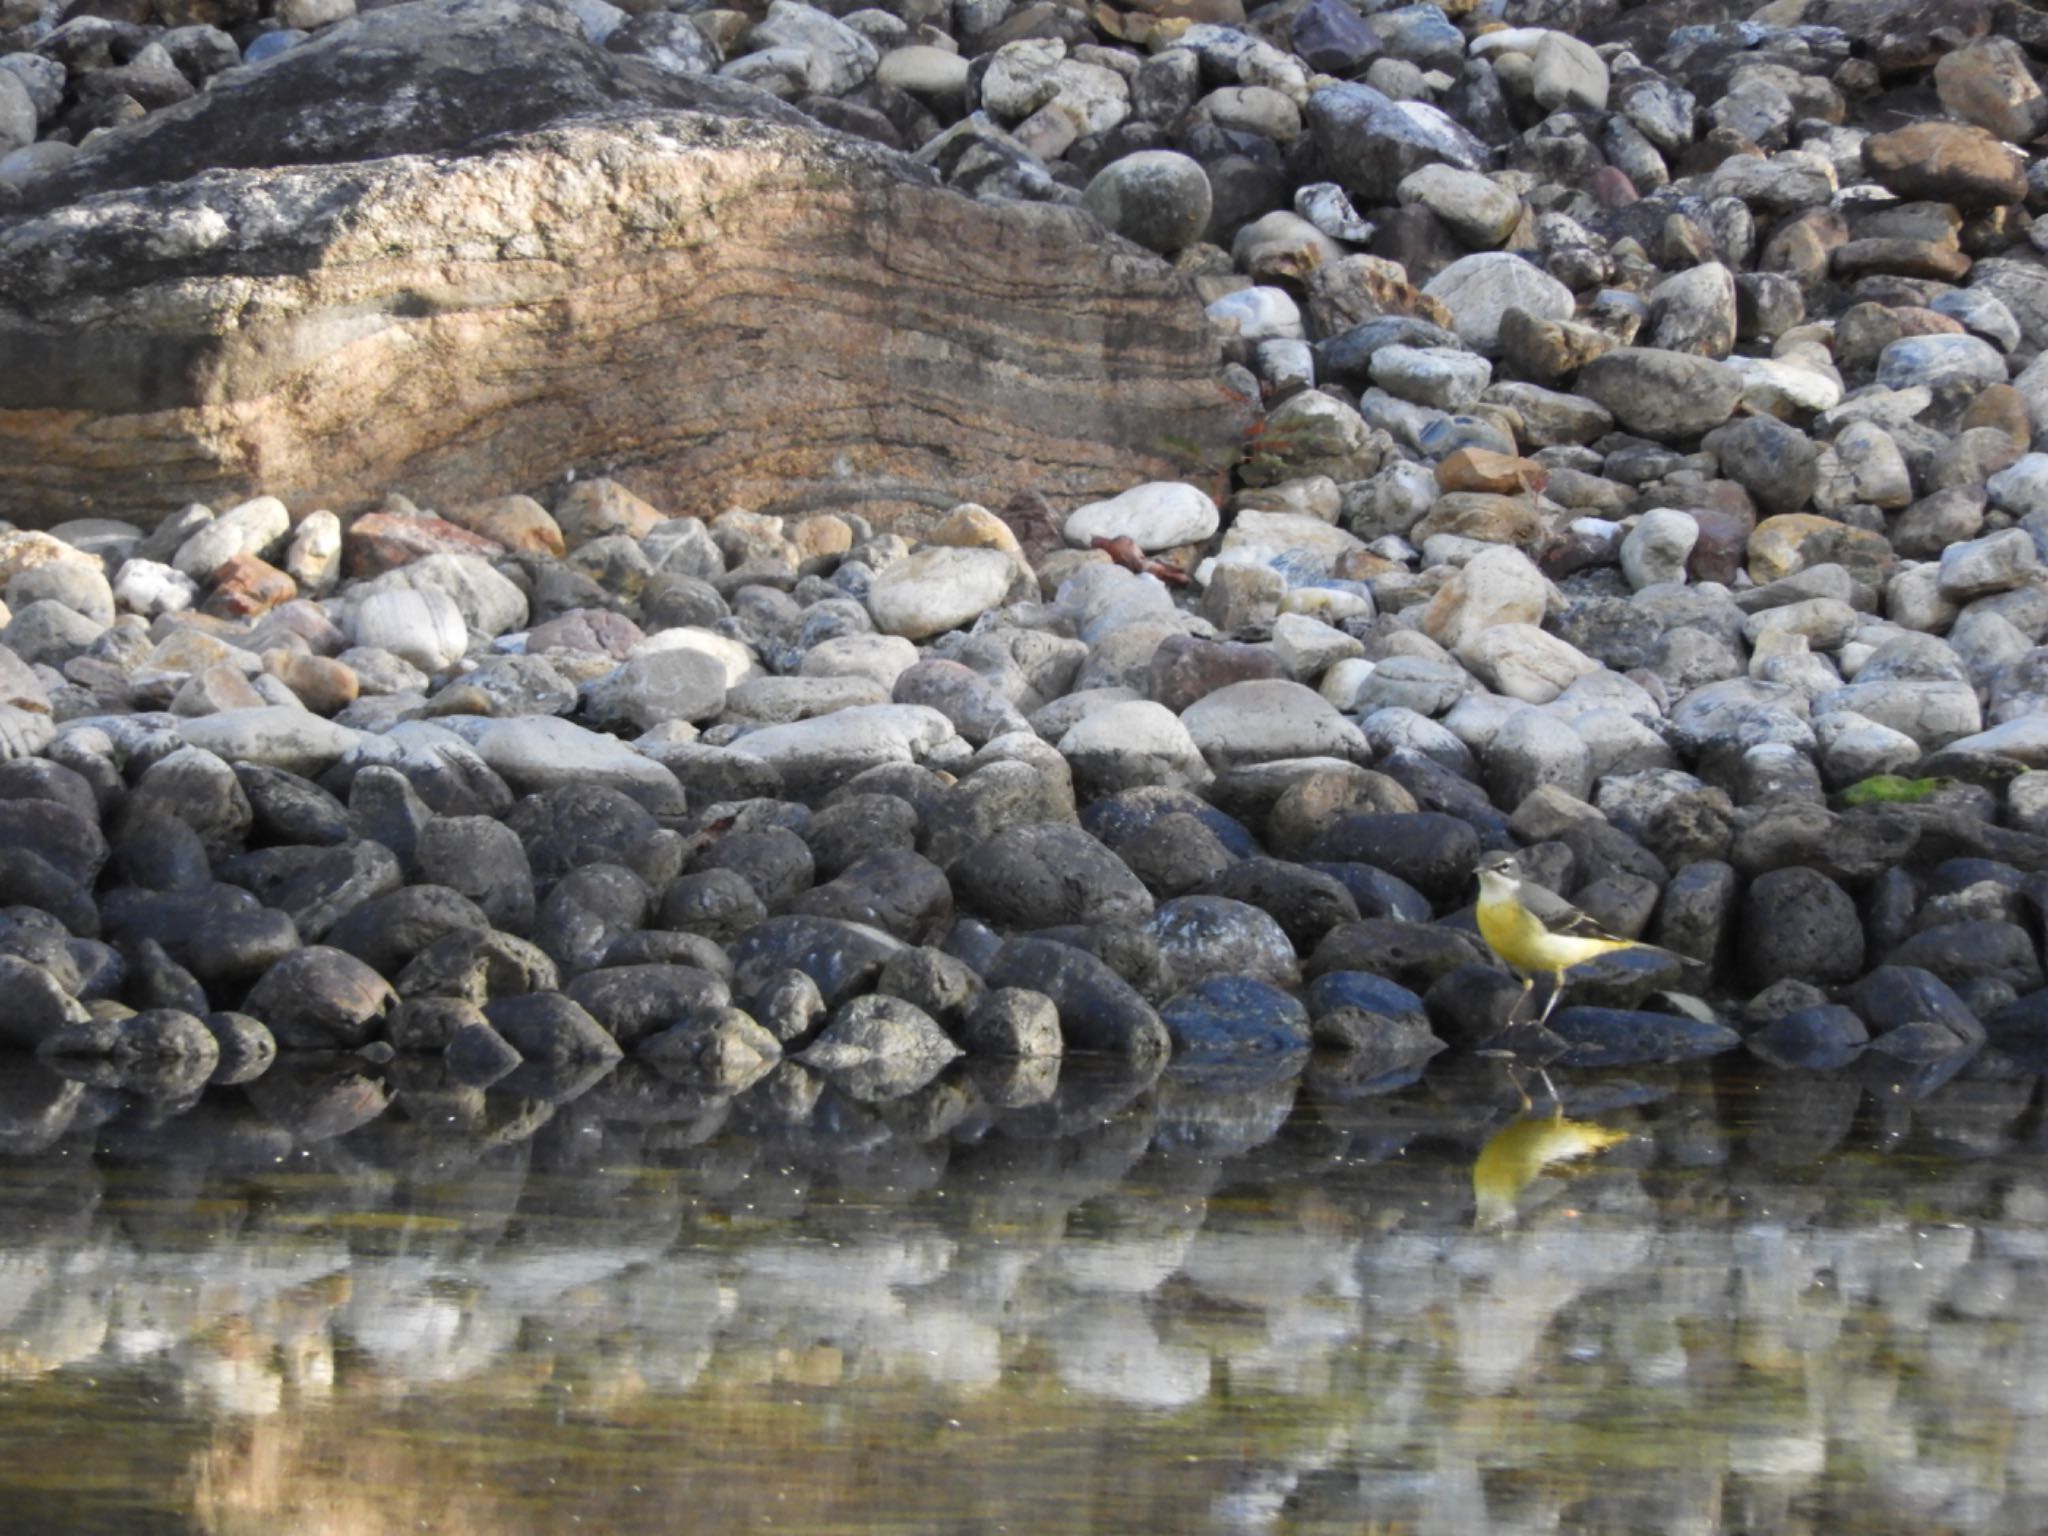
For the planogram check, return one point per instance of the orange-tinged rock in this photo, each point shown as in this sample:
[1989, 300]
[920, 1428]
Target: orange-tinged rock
[1789, 543]
[519, 523]
[1482, 469]
[24, 550]
[246, 587]
[383, 541]
[1477, 515]
[596, 509]
[322, 684]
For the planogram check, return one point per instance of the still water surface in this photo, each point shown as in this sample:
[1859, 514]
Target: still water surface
[1788, 1304]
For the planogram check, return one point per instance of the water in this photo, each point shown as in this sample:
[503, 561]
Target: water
[1795, 1303]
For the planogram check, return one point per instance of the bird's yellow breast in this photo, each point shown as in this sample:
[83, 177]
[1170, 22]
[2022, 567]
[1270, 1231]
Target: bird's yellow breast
[1518, 936]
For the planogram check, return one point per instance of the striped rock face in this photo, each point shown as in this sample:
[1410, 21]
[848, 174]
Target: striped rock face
[722, 308]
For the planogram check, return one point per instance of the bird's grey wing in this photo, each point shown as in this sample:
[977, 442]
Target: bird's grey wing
[1560, 916]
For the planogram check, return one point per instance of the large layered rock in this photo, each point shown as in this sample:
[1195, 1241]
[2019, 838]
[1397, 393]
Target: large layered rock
[453, 248]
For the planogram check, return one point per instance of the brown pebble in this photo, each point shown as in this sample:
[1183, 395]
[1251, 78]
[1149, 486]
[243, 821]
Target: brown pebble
[2003, 407]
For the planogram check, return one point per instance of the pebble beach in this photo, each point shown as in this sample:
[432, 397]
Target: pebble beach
[1642, 486]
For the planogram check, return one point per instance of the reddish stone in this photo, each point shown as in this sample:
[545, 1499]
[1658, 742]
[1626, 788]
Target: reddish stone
[1723, 541]
[383, 541]
[594, 630]
[245, 587]
[1611, 186]
[1185, 668]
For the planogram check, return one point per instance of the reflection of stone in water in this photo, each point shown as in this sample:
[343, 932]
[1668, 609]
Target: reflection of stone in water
[1111, 1350]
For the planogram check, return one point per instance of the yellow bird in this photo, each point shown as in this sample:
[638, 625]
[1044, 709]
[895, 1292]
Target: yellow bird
[1539, 934]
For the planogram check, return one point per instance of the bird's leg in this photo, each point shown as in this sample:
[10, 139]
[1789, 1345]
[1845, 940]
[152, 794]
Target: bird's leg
[1556, 1100]
[1515, 1082]
[1528, 985]
[1550, 1004]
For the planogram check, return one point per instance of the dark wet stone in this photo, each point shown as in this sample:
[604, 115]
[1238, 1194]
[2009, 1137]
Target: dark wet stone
[853, 827]
[717, 903]
[998, 795]
[387, 931]
[1413, 954]
[317, 1097]
[58, 835]
[161, 853]
[316, 887]
[1894, 997]
[1798, 923]
[632, 1001]
[201, 791]
[788, 1005]
[2021, 1026]
[28, 880]
[1818, 1038]
[1234, 1016]
[1921, 1043]
[1130, 949]
[551, 1029]
[155, 980]
[565, 829]
[1380, 1042]
[221, 934]
[654, 946]
[722, 1052]
[1622, 1037]
[1696, 913]
[587, 912]
[1375, 892]
[843, 958]
[1114, 819]
[1011, 1022]
[933, 980]
[246, 1047]
[384, 808]
[37, 1107]
[1962, 952]
[483, 860]
[1175, 855]
[1306, 903]
[1434, 853]
[479, 967]
[879, 1047]
[972, 941]
[476, 1053]
[426, 1024]
[320, 998]
[1623, 979]
[900, 892]
[288, 809]
[39, 779]
[156, 1034]
[1042, 875]
[101, 971]
[1203, 936]
[1474, 1003]
[775, 861]
[163, 1054]
[1099, 1010]
[711, 775]
[1435, 788]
